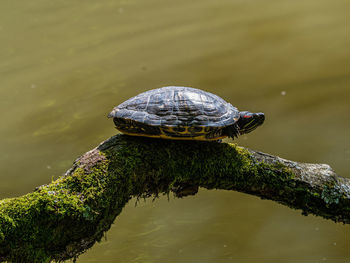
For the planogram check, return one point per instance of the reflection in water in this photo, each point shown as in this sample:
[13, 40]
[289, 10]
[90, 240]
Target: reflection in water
[63, 65]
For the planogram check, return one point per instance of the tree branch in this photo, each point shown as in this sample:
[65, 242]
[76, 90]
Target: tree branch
[64, 218]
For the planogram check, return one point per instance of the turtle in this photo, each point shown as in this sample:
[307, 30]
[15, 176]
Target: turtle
[182, 113]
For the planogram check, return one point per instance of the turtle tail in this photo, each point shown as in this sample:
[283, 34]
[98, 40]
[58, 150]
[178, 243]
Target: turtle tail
[232, 131]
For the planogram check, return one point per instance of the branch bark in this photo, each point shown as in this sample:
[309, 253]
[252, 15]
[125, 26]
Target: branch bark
[60, 220]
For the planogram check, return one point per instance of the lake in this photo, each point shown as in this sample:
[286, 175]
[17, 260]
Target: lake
[65, 64]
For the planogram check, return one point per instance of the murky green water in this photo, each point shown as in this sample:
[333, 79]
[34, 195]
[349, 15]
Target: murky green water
[65, 64]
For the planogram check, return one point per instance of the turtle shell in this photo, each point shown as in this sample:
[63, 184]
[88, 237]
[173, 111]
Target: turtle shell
[177, 107]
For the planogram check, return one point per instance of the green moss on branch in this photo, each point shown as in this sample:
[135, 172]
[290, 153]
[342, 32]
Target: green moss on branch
[62, 219]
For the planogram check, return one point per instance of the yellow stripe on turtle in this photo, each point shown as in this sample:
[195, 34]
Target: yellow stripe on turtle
[165, 136]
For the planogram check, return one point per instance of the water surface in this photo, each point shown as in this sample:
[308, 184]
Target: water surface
[65, 64]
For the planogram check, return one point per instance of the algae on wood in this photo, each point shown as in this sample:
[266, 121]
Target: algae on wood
[60, 220]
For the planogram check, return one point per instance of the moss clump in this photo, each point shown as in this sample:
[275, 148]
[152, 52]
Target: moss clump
[46, 224]
[155, 166]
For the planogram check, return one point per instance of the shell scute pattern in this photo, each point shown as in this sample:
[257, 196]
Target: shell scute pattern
[178, 106]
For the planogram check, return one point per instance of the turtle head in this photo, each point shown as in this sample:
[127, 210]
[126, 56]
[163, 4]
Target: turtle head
[248, 121]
